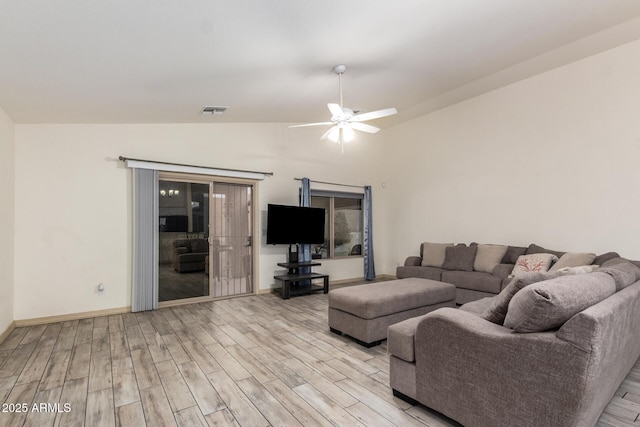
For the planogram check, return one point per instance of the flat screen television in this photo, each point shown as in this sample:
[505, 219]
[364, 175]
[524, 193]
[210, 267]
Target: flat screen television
[294, 225]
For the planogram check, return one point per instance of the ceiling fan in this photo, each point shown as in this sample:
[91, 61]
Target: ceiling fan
[345, 120]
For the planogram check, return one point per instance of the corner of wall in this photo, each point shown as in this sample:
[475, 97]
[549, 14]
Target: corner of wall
[7, 223]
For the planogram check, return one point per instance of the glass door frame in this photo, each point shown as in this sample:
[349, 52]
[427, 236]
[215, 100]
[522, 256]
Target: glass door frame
[210, 180]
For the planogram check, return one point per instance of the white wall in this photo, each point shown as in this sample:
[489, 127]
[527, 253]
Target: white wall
[553, 159]
[73, 199]
[6, 220]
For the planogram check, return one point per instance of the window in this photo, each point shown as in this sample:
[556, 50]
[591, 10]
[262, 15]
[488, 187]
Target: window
[343, 224]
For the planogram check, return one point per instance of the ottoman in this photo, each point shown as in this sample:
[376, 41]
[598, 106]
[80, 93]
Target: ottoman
[364, 312]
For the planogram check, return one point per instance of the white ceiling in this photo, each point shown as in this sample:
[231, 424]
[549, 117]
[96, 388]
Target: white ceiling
[161, 61]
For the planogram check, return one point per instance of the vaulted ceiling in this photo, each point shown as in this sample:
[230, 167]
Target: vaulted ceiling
[157, 61]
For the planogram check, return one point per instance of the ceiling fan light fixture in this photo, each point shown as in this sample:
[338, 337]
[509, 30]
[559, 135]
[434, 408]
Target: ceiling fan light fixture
[334, 134]
[348, 134]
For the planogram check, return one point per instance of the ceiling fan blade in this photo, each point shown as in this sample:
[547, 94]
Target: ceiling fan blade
[364, 127]
[311, 124]
[374, 115]
[335, 109]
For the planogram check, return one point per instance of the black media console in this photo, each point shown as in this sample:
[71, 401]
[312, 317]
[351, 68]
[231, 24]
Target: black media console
[296, 283]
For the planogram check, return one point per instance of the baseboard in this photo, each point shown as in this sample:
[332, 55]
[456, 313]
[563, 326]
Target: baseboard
[343, 281]
[122, 310]
[71, 316]
[6, 333]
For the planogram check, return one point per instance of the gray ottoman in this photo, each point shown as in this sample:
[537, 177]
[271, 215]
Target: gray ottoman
[364, 312]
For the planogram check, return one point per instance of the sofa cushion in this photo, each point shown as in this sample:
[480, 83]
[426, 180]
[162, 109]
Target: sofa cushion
[624, 273]
[474, 280]
[431, 273]
[488, 256]
[497, 309]
[573, 259]
[548, 304]
[191, 257]
[460, 257]
[539, 262]
[182, 243]
[478, 306]
[434, 254]
[502, 271]
[535, 249]
[513, 252]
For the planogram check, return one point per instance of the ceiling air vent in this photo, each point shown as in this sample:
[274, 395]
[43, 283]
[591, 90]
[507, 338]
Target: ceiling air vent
[214, 111]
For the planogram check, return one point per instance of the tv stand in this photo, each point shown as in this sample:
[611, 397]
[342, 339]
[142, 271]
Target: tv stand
[296, 283]
[293, 255]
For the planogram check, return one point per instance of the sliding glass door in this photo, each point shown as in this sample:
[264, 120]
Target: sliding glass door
[205, 238]
[232, 233]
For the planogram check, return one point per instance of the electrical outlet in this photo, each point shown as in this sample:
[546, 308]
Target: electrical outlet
[100, 289]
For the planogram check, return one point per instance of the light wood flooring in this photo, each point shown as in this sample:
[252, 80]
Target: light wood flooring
[252, 361]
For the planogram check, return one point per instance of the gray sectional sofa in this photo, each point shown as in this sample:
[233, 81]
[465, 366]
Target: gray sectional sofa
[549, 350]
[474, 278]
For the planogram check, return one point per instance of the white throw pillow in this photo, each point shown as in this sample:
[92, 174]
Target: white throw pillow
[433, 254]
[573, 259]
[488, 256]
[533, 262]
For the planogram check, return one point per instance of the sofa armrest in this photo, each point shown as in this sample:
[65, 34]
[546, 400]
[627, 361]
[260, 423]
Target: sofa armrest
[180, 250]
[413, 261]
[498, 377]
[609, 331]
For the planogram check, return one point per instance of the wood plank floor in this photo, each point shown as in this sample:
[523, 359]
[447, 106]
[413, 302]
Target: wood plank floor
[253, 361]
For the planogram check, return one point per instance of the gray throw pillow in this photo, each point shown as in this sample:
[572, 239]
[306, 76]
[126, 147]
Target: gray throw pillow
[488, 256]
[513, 253]
[602, 258]
[434, 254]
[535, 249]
[624, 273]
[497, 311]
[459, 257]
[549, 304]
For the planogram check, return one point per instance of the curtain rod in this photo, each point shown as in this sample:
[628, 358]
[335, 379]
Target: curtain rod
[124, 159]
[332, 183]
